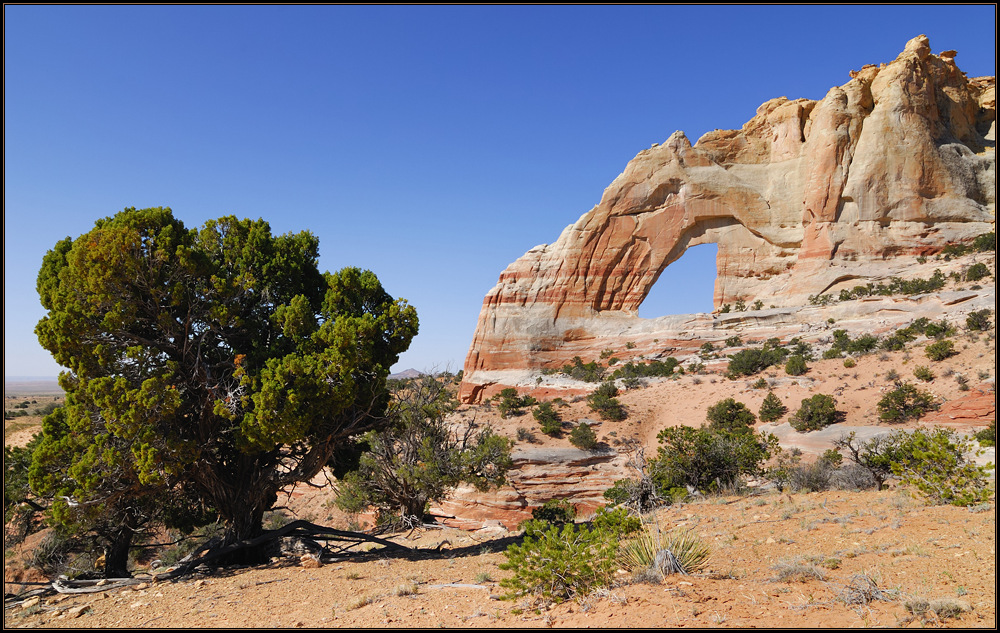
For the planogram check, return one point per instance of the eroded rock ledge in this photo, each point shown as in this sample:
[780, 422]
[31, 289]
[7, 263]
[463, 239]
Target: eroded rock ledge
[808, 197]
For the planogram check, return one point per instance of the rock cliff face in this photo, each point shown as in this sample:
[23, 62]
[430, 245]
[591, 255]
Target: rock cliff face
[808, 197]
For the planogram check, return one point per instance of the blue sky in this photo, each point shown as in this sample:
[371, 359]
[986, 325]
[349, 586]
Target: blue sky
[433, 145]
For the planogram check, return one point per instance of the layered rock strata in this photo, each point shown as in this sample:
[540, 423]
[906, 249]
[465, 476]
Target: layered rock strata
[809, 197]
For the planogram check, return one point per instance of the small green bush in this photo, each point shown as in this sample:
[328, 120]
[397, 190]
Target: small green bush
[977, 272]
[730, 415]
[583, 437]
[849, 363]
[815, 413]
[555, 511]
[751, 361]
[796, 366]
[707, 459]
[548, 418]
[511, 404]
[941, 329]
[937, 463]
[978, 321]
[903, 403]
[922, 372]
[988, 436]
[603, 402]
[940, 350]
[556, 563]
[986, 242]
[772, 408]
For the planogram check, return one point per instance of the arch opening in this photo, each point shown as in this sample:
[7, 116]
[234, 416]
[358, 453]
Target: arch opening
[686, 286]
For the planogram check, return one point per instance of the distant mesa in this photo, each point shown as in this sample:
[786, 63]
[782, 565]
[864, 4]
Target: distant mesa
[406, 374]
[808, 197]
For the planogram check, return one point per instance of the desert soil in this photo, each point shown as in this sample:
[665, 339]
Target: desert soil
[778, 559]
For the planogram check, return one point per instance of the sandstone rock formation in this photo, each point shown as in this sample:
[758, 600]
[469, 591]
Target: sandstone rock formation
[538, 475]
[808, 197]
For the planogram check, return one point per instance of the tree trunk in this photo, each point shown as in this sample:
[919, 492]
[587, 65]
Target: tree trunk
[116, 554]
[245, 522]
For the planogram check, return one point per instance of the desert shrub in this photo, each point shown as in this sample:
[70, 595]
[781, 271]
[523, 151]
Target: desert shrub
[730, 415]
[53, 554]
[548, 418]
[903, 403]
[525, 435]
[556, 563]
[800, 347]
[796, 571]
[603, 402]
[796, 366]
[422, 456]
[814, 477]
[583, 437]
[707, 459]
[815, 413]
[651, 369]
[587, 372]
[772, 408]
[937, 463]
[985, 242]
[940, 350]
[849, 363]
[751, 361]
[978, 321]
[511, 404]
[664, 553]
[988, 436]
[977, 272]
[734, 341]
[555, 511]
[852, 477]
[941, 329]
[922, 372]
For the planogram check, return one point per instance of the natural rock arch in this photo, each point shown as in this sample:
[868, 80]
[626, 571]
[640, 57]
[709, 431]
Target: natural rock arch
[898, 161]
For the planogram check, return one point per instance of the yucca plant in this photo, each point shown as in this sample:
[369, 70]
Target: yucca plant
[664, 553]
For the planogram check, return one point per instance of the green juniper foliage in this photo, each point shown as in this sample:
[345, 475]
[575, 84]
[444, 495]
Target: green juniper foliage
[548, 418]
[905, 402]
[218, 363]
[940, 350]
[937, 463]
[772, 408]
[556, 563]
[583, 437]
[603, 402]
[815, 413]
[419, 458]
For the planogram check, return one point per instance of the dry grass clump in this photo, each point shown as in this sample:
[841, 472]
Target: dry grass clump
[941, 608]
[798, 571]
[862, 589]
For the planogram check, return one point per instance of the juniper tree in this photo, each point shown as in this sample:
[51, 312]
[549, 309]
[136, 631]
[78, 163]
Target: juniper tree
[219, 359]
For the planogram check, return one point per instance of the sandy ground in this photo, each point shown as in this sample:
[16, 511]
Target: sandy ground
[918, 554]
[778, 560]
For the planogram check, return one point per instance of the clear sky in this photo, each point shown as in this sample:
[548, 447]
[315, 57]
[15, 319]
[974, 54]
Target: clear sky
[433, 145]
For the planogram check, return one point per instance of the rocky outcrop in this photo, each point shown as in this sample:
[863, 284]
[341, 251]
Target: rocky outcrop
[539, 474]
[808, 197]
